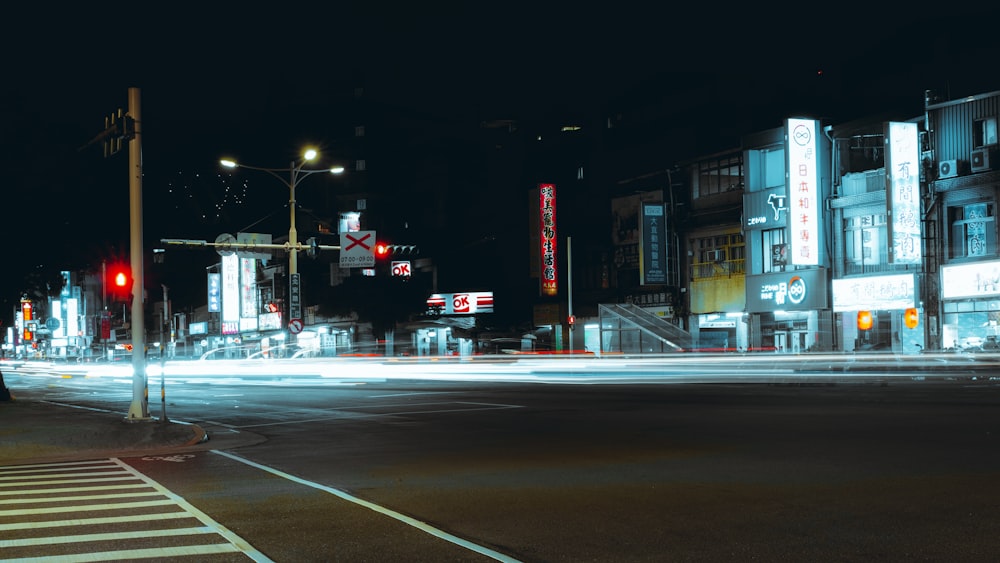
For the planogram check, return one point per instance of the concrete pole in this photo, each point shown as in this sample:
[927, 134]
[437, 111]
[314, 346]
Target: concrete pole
[569, 288]
[139, 409]
[293, 234]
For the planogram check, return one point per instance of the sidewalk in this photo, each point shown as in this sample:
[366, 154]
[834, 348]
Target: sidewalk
[34, 431]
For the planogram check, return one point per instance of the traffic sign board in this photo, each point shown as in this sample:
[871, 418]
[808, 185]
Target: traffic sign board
[295, 326]
[294, 296]
[401, 268]
[357, 249]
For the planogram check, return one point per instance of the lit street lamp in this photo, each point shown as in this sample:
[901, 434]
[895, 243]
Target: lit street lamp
[295, 175]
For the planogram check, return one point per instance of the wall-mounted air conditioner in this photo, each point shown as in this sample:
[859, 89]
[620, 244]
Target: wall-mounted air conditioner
[952, 168]
[983, 159]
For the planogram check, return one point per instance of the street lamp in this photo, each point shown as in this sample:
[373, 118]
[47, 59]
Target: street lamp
[296, 174]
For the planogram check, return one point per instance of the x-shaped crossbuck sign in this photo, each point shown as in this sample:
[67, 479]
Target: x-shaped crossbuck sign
[358, 241]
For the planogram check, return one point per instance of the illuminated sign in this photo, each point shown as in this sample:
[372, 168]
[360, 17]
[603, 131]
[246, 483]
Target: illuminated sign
[270, 321]
[231, 289]
[791, 291]
[547, 230]
[979, 279]
[469, 303]
[902, 166]
[888, 293]
[653, 258]
[26, 316]
[803, 191]
[248, 289]
[214, 293]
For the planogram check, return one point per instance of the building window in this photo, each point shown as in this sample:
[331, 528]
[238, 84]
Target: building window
[985, 131]
[865, 242]
[973, 230]
[717, 176]
[775, 250]
[359, 165]
[359, 131]
[717, 255]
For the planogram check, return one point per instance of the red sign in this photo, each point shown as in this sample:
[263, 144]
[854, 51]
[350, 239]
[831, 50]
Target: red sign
[547, 226]
[295, 326]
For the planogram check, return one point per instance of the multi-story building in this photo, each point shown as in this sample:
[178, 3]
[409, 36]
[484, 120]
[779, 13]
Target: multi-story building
[963, 297]
[787, 178]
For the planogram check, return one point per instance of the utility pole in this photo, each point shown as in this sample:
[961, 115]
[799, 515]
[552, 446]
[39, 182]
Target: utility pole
[139, 409]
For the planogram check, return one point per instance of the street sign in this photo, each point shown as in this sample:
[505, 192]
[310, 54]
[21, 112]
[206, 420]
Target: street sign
[249, 243]
[295, 326]
[226, 243]
[401, 268]
[357, 249]
[294, 297]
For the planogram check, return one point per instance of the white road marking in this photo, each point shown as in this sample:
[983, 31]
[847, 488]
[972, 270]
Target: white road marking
[423, 526]
[22, 496]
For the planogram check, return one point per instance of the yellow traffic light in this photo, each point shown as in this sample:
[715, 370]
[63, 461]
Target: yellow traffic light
[864, 320]
[911, 318]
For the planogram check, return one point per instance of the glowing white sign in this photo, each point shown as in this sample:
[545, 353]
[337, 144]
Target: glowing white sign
[231, 289]
[902, 178]
[803, 191]
[979, 279]
[874, 292]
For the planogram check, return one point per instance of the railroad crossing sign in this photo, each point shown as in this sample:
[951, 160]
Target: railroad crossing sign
[357, 249]
[295, 326]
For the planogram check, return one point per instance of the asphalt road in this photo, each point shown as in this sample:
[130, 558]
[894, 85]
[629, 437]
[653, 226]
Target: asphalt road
[416, 470]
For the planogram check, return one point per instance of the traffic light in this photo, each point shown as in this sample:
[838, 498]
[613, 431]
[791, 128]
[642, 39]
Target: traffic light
[383, 250]
[864, 320]
[121, 279]
[911, 318]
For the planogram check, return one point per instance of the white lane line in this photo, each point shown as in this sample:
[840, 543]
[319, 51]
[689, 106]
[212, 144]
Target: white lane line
[348, 413]
[423, 526]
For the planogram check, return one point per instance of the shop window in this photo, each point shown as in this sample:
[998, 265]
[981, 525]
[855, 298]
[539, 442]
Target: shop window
[973, 230]
[985, 131]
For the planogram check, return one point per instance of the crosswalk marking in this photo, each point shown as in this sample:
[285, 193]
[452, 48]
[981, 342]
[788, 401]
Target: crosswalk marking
[47, 496]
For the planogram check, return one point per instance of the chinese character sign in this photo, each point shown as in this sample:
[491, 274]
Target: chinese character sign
[547, 226]
[903, 192]
[652, 261]
[803, 192]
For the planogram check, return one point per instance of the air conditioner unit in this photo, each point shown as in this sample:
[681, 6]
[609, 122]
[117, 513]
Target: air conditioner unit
[715, 255]
[983, 160]
[952, 168]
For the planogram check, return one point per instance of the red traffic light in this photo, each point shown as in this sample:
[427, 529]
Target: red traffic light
[121, 280]
[381, 250]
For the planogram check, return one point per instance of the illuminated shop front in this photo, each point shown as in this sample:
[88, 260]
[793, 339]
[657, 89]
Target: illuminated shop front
[970, 295]
[788, 311]
[882, 301]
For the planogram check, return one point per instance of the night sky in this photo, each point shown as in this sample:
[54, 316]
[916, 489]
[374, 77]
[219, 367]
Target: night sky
[210, 79]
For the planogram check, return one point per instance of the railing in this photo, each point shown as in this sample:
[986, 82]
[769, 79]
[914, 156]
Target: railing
[723, 269]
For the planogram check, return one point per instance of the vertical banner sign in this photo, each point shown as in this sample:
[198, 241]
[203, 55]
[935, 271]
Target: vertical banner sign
[294, 298]
[27, 319]
[231, 289]
[903, 192]
[652, 259]
[547, 226]
[248, 288]
[803, 191]
[214, 293]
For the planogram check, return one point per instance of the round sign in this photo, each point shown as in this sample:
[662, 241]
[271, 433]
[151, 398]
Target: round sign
[52, 323]
[227, 240]
[295, 326]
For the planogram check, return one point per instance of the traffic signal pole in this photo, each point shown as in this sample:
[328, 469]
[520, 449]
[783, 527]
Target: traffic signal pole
[139, 409]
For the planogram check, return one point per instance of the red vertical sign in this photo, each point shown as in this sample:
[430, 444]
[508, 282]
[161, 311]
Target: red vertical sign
[549, 270]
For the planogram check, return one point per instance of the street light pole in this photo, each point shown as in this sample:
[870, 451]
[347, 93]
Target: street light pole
[295, 174]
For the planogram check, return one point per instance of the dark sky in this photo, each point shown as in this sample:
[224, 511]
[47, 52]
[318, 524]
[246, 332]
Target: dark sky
[66, 68]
